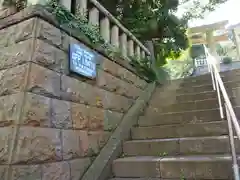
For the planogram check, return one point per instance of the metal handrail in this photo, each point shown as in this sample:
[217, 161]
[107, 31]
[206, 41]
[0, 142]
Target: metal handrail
[218, 86]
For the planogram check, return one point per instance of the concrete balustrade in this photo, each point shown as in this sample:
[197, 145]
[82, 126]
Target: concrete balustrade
[93, 10]
[81, 7]
[67, 4]
[130, 48]
[143, 54]
[123, 44]
[94, 17]
[1, 2]
[115, 36]
[105, 29]
[138, 51]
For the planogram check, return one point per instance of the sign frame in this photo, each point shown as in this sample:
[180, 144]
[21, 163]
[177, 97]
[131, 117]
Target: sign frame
[89, 63]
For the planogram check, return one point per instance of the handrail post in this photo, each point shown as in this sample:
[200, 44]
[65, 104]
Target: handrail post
[138, 51]
[94, 17]
[81, 7]
[232, 145]
[66, 4]
[123, 44]
[143, 54]
[130, 48]
[115, 36]
[105, 29]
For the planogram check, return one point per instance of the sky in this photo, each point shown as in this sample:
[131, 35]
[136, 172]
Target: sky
[228, 11]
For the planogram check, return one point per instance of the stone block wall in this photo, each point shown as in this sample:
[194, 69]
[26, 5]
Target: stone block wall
[52, 123]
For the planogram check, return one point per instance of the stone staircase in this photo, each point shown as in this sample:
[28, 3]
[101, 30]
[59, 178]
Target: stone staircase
[181, 135]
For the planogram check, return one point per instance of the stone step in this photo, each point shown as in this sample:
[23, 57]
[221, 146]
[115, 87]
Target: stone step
[202, 79]
[157, 116]
[147, 178]
[171, 97]
[179, 146]
[196, 96]
[205, 87]
[152, 118]
[198, 100]
[194, 89]
[181, 167]
[206, 79]
[216, 128]
[176, 105]
[139, 179]
[188, 106]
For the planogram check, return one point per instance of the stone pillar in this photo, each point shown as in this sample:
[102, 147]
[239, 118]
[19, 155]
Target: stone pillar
[66, 4]
[236, 41]
[150, 47]
[94, 17]
[138, 51]
[1, 2]
[81, 7]
[123, 44]
[105, 29]
[143, 54]
[212, 47]
[130, 48]
[115, 36]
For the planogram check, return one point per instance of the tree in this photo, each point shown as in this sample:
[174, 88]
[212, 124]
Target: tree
[221, 50]
[154, 20]
[197, 8]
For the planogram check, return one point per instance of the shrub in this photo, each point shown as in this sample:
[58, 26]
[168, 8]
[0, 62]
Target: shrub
[227, 60]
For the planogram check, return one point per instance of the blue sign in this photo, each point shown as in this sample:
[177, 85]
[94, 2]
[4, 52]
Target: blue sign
[82, 61]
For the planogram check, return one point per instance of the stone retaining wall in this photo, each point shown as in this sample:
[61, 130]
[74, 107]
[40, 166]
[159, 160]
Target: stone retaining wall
[52, 123]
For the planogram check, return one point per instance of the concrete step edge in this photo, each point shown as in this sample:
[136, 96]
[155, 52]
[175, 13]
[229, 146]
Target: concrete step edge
[190, 158]
[174, 125]
[179, 139]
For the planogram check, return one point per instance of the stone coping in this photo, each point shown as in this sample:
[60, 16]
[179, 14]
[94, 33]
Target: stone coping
[41, 12]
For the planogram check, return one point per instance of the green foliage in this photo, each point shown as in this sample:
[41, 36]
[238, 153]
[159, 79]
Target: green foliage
[92, 35]
[143, 67]
[78, 23]
[197, 8]
[227, 60]
[182, 67]
[163, 154]
[182, 177]
[149, 20]
[153, 20]
[221, 50]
